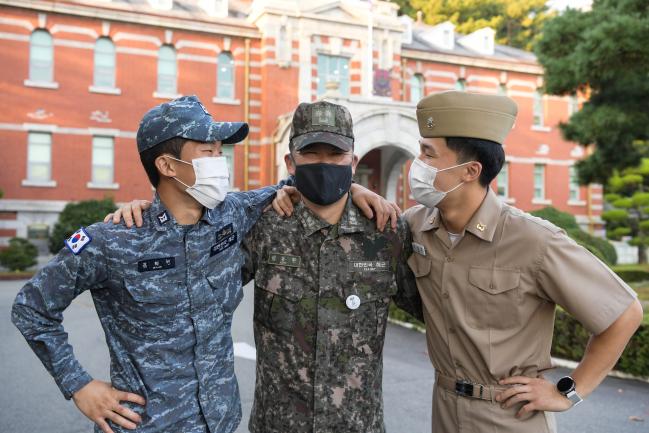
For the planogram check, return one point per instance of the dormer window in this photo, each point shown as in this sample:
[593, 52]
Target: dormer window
[214, 8]
[480, 41]
[448, 34]
[165, 5]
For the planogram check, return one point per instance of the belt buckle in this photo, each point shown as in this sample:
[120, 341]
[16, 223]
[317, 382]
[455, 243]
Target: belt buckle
[463, 388]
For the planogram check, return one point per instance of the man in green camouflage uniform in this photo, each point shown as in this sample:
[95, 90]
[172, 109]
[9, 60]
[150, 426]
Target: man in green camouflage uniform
[323, 283]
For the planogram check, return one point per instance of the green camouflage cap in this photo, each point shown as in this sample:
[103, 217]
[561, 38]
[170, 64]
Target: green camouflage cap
[321, 122]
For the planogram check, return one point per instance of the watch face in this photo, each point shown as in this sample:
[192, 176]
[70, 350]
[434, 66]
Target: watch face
[565, 385]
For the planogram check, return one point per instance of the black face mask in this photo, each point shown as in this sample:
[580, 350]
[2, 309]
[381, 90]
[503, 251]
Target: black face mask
[322, 183]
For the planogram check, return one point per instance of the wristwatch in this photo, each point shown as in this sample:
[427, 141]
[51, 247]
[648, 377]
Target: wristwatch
[566, 386]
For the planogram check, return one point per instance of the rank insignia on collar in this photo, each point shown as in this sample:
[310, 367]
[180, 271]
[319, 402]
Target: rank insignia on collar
[163, 217]
[481, 227]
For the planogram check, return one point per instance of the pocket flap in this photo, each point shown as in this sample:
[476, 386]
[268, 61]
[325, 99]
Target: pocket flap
[281, 283]
[419, 264]
[371, 286]
[154, 291]
[494, 280]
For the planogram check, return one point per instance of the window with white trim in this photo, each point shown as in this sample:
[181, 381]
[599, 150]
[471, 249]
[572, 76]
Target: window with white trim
[333, 68]
[539, 181]
[225, 76]
[416, 87]
[103, 160]
[227, 150]
[502, 181]
[104, 74]
[39, 157]
[167, 70]
[574, 184]
[41, 57]
[538, 109]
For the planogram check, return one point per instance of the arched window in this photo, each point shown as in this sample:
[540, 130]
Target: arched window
[41, 57]
[225, 76]
[416, 87]
[104, 63]
[167, 70]
[460, 84]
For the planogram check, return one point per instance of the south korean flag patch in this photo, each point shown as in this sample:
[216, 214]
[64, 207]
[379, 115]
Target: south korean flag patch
[78, 241]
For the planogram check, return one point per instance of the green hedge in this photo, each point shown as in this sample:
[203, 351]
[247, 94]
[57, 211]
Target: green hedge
[570, 339]
[601, 248]
[632, 273]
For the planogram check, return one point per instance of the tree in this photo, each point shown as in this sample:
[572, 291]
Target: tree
[629, 201]
[20, 255]
[603, 54]
[601, 248]
[517, 22]
[76, 215]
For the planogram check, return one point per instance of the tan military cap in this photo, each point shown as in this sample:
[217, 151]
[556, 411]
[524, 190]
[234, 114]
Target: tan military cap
[462, 114]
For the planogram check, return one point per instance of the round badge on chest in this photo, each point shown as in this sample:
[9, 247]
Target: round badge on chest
[353, 302]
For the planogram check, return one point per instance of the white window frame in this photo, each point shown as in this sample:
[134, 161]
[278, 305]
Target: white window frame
[540, 198]
[34, 140]
[502, 181]
[418, 81]
[102, 142]
[538, 118]
[107, 72]
[41, 72]
[225, 91]
[323, 76]
[163, 91]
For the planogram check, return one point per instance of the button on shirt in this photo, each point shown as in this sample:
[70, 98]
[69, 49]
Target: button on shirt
[322, 293]
[489, 304]
[164, 294]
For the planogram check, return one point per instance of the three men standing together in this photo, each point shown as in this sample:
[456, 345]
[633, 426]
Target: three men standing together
[485, 277]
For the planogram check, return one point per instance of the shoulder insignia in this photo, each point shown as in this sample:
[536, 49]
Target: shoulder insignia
[78, 241]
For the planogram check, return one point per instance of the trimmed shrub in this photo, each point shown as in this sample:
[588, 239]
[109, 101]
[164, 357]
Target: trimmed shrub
[20, 255]
[75, 215]
[601, 248]
[570, 339]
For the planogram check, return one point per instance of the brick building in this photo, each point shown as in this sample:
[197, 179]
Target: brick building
[79, 74]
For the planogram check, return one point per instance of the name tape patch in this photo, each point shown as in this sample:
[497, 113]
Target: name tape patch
[156, 264]
[284, 260]
[223, 244]
[370, 266]
[419, 248]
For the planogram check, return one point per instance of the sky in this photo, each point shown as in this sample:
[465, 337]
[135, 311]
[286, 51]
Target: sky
[575, 4]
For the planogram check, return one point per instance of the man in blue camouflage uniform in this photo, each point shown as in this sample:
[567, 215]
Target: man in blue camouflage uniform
[164, 294]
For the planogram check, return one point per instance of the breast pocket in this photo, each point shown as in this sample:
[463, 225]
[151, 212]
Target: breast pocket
[278, 292]
[493, 298]
[149, 307]
[226, 287]
[420, 266]
[365, 308]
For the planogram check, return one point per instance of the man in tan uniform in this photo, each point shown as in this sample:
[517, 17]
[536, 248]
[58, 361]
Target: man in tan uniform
[490, 277]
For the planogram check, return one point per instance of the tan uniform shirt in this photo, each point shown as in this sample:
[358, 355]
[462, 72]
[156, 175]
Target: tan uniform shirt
[489, 305]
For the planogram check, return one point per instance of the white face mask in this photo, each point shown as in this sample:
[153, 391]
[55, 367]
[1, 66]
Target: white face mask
[212, 180]
[422, 183]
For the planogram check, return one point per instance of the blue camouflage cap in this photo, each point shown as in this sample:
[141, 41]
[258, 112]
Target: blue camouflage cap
[185, 117]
